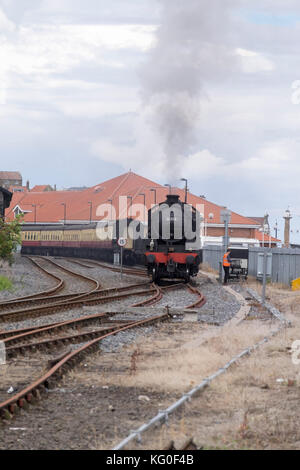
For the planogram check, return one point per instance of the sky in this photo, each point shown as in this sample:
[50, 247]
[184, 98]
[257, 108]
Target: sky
[206, 90]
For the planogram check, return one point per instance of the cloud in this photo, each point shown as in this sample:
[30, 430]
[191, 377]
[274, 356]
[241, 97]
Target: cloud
[253, 62]
[5, 24]
[122, 83]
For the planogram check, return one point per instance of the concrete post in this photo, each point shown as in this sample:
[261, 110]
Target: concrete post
[287, 223]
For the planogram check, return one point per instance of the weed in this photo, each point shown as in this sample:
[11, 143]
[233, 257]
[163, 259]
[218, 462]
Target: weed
[5, 283]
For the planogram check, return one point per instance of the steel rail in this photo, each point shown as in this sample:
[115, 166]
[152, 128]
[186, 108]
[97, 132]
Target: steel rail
[154, 299]
[44, 297]
[62, 297]
[33, 392]
[50, 343]
[33, 312]
[201, 299]
[47, 292]
[130, 271]
[72, 273]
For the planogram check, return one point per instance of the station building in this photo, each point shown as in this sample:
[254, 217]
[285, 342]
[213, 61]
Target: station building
[82, 207]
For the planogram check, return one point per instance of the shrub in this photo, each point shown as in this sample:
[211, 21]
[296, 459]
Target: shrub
[10, 238]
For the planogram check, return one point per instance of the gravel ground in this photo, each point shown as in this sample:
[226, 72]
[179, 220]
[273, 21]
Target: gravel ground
[177, 298]
[220, 306]
[26, 279]
[72, 283]
[106, 277]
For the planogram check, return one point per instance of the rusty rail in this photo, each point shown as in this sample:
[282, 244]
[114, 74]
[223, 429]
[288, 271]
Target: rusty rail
[35, 390]
[201, 299]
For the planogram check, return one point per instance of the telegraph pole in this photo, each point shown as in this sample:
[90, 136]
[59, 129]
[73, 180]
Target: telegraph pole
[225, 218]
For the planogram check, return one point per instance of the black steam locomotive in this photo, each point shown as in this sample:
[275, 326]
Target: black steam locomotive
[173, 247]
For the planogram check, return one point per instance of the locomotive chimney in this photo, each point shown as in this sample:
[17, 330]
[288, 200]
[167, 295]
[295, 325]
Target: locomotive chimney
[172, 199]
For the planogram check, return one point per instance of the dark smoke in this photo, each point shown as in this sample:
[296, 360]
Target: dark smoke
[192, 48]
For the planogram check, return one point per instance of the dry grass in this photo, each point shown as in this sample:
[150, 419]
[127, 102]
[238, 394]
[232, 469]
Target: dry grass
[177, 357]
[280, 296]
[245, 408]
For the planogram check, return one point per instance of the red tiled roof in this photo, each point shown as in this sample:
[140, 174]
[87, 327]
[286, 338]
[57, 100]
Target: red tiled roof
[49, 204]
[41, 188]
[264, 237]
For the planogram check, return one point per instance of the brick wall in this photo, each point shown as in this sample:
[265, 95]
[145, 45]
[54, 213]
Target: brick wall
[233, 232]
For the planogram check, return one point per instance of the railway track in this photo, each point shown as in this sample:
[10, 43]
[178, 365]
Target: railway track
[130, 271]
[42, 304]
[49, 296]
[37, 389]
[201, 299]
[90, 329]
[18, 341]
[95, 298]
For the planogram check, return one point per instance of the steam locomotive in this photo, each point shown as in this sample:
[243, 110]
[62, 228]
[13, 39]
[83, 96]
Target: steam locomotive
[173, 247]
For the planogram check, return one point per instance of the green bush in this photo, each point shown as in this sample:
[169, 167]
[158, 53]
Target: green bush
[10, 238]
[5, 284]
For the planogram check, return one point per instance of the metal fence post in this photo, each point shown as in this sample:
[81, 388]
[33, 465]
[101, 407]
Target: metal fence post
[264, 278]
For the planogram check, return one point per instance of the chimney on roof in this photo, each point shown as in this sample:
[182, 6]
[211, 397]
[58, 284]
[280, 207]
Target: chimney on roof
[55, 187]
[27, 185]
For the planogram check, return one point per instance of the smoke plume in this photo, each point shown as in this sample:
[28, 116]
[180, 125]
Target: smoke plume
[191, 48]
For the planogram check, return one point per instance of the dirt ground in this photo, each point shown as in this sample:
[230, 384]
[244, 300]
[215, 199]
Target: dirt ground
[255, 405]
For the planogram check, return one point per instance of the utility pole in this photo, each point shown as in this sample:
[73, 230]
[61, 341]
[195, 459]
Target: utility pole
[225, 218]
[65, 211]
[154, 191]
[276, 229]
[185, 198]
[34, 205]
[91, 210]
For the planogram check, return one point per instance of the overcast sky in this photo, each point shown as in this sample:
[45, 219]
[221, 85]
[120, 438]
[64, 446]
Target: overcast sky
[208, 90]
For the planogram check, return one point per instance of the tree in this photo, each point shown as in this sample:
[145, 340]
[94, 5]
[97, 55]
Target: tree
[10, 238]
